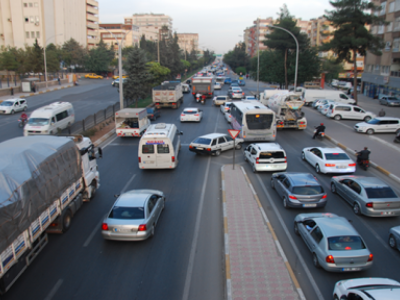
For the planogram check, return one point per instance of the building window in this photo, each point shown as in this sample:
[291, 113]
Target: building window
[381, 29]
[30, 4]
[36, 4]
[383, 8]
[395, 47]
[385, 70]
[397, 24]
[37, 34]
[391, 7]
[25, 4]
[37, 19]
[32, 19]
[389, 27]
[32, 34]
[26, 20]
[27, 34]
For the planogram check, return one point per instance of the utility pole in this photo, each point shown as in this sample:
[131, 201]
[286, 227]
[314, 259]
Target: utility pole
[258, 57]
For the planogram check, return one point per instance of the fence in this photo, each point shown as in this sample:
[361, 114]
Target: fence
[7, 81]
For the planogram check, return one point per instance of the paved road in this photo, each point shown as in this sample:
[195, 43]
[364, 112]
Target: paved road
[185, 259]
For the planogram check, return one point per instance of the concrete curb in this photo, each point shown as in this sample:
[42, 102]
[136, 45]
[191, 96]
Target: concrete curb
[43, 92]
[103, 138]
[372, 164]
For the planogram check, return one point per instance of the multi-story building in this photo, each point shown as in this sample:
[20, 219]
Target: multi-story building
[111, 33]
[150, 24]
[48, 21]
[256, 33]
[382, 73]
[188, 41]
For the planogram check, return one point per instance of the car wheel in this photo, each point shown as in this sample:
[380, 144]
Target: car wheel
[367, 118]
[337, 117]
[296, 228]
[285, 204]
[317, 169]
[315, 261]
[333, 188]
[12, 112]
[272, 184]
[218, 152]
[392, 241]
[335, 297]
[356, 209]
[153, 230]
[66, 221]
[238, 146]
[303, 156]
[254, 169]
[370, 131]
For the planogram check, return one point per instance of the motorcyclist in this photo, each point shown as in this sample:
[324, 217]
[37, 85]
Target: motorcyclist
[24, 117]
[318, 129]
[198, 96]
[363, 155]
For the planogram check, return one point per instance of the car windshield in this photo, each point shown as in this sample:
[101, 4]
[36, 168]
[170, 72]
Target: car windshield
[221, 98]
[7, 103]
[392, 98]
[127, 213]
[380, 192]
[336, 156]
[203, 141]
[308, 190]
[38, 121]
[349, 242]
[373, 121]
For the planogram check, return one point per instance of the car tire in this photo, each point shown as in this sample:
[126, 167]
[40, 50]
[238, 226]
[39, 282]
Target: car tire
[218, 152]
[337, 117]
[285, 204]
[303, 156]
[370, 131]
[296, 228]
[245, 157]
[272, 184]
[333, 188]
[315, 261]
[12, 112]
[367, 118]
[392, 241]
[317, 169]
[356, 209]
[238, 146]
[253, 167]
[66, 220]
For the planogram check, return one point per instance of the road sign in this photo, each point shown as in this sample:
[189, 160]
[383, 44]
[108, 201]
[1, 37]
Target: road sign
[234, 133]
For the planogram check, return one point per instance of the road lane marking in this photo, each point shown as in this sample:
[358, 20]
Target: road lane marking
[384, 142]
[54, 290]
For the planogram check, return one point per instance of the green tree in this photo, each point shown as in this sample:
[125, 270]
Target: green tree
[53, 58]
[237, 57]
[158, 72]
[73, 54]
[351, 37]
[331, 68]
[170, 52]
[8, 60]
[139, 78]
[34, 58]
[99, 58]
[241, 70]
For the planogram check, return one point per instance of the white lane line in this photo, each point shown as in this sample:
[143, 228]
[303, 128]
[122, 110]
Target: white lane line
[347, 126]
[54, 290]
[384, 143]
[296, 250]
[128, 183]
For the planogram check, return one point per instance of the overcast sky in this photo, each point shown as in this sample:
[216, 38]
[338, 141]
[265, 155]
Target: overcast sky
[219, 23]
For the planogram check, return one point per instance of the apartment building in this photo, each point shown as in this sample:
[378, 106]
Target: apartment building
[48, 21]
[150, 24]
[188, 41]
[113, 33]
[256, 33]
[382, 73]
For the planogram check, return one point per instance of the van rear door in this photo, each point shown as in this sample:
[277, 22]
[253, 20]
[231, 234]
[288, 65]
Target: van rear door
[148, 157]
[165, 156]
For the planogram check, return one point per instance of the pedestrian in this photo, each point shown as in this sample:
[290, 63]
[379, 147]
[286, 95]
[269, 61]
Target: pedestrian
[382, 113]
[100, 152]
[33, 87]
[12, 91]
[59, 80]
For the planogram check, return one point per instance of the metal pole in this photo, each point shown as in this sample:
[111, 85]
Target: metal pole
[158, 50]
[234, 150]
[45, 64]
[258, 57]
[121, 92]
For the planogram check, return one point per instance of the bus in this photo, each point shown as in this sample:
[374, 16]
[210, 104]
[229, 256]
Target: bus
[255, 121]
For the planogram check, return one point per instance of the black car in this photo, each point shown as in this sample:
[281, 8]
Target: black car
[153, 113]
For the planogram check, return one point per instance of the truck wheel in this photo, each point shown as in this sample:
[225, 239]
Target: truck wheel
[93, 187]
[66, 221]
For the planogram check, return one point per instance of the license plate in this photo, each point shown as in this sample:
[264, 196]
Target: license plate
[310, 205]
[199, 148]
[341, 167]
[387, 213]
[351, 269]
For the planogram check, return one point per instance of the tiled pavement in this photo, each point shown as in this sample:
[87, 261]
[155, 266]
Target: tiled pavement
[256, 266]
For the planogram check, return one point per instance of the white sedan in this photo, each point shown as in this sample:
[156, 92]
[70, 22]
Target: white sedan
[191, 114]
[328, 160]
[217, 86]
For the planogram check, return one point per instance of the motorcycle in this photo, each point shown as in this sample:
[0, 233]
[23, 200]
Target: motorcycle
[363, 163]
[202, 101]
[22, 122]
[320, 134]
[198, 99]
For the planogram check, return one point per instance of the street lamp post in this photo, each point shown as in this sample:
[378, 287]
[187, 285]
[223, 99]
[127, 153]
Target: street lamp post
[297, 51]
[44, 56]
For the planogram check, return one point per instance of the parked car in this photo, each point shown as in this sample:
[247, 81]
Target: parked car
[369, 196]
[323, 102]
[191, 114]
[334, 243]
[378, 125]
[115, 83]
[11, 106]
[369, 288]
[339, 111]
[394, 237]
[328, 160]
[153, 113]
[389, 100]
[117, 76]
[317, 102]
[265, 157]
[214, 143]
[93, 76]
[298, 190]
[220, 100]
[134, 216]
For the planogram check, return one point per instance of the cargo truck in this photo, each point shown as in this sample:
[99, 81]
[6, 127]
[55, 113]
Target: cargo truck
[169, 94]
[131, 122]
[44, 180]
[203, 86]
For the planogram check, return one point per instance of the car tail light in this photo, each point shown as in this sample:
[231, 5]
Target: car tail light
[197, 115]
[324, 196]
[302, 122]
[208, 149]
[142, 227]
[190, 147]
[292, 197]
[257, 162]
[182, 115]
[330, 165]
[140, 159]
[173, 158]
[369, 204]
[285, 160]
[104, 226]
[329, 259]
[352, 165]
[370, 257]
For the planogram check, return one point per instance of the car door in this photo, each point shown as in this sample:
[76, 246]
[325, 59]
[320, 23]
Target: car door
[393, 125]
[156, 199]
[151, 217]
[279, 185]
[247, 153]
[353, 190]
[223, 143]
[315, 238]
[23, 104]
[358, 113]
[382, 126]
[311, 156]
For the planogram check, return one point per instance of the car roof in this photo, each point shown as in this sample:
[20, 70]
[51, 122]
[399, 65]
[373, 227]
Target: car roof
[386, 118]
[212, 135]
[268, 146]
[302, 179]
[335, 226]
[370, 182]
[331, 150]
[132, 199]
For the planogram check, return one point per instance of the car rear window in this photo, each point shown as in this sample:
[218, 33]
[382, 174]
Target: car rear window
[350, 242]
[221, 98]
[272, 154]
[127, 213]
[202, 141]
[148, 149]
[162, 148]
[308, 190]
[189, 112]
[380, 192]
[336, 156]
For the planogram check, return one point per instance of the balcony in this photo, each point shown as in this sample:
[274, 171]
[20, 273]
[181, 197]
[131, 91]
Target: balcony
[92, 10]
[395, 73]
[92, 25]
[92, 18]
[92, 3]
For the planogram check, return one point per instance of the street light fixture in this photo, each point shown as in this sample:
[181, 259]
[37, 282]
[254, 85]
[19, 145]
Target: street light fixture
[44, 56]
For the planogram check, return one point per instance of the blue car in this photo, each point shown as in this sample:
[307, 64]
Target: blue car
[228, 80]
[241, 82]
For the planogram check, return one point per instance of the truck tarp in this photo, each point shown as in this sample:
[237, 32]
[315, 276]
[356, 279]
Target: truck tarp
[34, 172]
[170, 86]
[127, 113]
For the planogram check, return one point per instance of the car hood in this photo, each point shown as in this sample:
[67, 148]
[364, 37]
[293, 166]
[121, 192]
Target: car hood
[364, 124]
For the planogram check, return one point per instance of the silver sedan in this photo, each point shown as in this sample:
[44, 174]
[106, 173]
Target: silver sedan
[394, 237]
[369, 196]
[334, 243]
[134, 216]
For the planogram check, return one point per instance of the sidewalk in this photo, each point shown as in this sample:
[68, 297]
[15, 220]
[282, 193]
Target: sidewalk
[256, 266]
[41, 91]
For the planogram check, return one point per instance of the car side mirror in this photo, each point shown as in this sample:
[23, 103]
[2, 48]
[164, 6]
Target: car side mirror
[116, 195]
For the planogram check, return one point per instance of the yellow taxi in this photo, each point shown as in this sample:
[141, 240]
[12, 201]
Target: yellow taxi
[117, 76]
[93, 76]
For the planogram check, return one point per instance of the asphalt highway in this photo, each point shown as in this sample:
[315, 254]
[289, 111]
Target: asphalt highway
[185, 258]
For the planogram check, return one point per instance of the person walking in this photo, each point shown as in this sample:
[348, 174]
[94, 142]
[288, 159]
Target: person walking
[59, 80]
[382, 113]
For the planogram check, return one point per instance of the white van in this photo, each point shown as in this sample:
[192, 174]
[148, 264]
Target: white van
[48, 119]
[340, 111]
[310, 95]
[159, 147]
